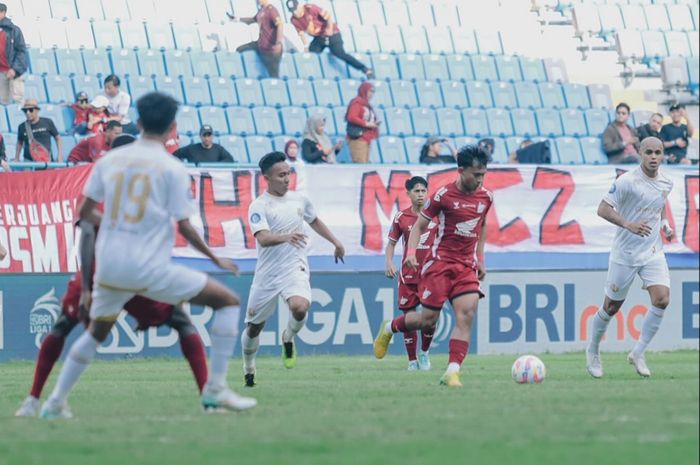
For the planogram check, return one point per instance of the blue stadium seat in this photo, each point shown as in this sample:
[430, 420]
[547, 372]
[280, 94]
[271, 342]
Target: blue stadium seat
[69, 142]
[694, 74]
[15, 117]
[124, 62]
[177, 62]
[398, 12]
[445, 14]
[293, 120]
[454, 94]
[413, 147]
[460, 68]
[267, 121]
[188, 120]
[236, 147]
[307, 65]
[435, 67]
[70, 62]
[254, 67]
[249, 92]
[56, 114]
[89, 9]
[533, 69]
[97, 62]
[140, 85]
[479, 94]
[330, 119]
[333, 68]
[344, 12]
[503, 95]
[610, 19]
[552, 95]
[374, 155]
[336, 126]
[424, 121]
[87, 83]
[440, 39]
[508, 68]
[657, 18]
[42, 61]
[484, 68]
[600, 96]
[428, 93]
[258, 147]
[371, 12]
[278, 142]
[449, 122]
[654, 45]
[411, 66]
[681, 17]
[592, 150]
[569, 151]
[204, 63]
[223, 91]
[240, 120]
[348, 90]
[548, 122]
[397, 121]
[500, 152]
[573, 122]
[353, 73]
[106, 34]
[576, 96]
[414, 39]
[639, 117]
[463, 141]
[489, 41]
[133, 34]
[151, 63]
[513, 143]
[160, 35]
[287, 68]
[475, 122]
[524, 123]
[230, 64]
[392, 41]
[171, 86]
[403, 93]
[421, 13]
[500, 123]
[392, 149]
[60, 89]
[34, 88]
[186, 36]
[634, 17]
[327, 92]
[365, 38]
[385, 66]
[382, 95]
[274, 91]
[596, 121]
[196, 90]
[528, 95]
[677, 43]
[464, 41]
[215, 117]
[301, 92]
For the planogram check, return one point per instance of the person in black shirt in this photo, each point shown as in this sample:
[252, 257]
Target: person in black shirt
[317, 147]
[652, 128]
[430, 153]
[675, 136]
[43, 130]
[206, 151]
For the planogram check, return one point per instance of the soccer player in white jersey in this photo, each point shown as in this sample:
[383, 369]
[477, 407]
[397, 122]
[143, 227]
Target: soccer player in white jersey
[277, 220]
[636, 204]
[145, 192]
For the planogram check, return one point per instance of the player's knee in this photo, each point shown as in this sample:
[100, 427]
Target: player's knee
[661, 301]
[429, 318]
[611, 307]
[63, 326]
[226, 321]
[254, 330]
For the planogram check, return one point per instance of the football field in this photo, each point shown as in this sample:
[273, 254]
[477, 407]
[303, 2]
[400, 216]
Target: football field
[357, 410]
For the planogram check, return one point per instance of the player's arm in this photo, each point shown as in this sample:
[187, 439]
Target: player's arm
[191, 235]
[390, 271]
[268, 239]
[88, 212]
[87, 257]
[480, 264]
[666, 226]
[323, 231]
[608, 213]
[419, 228]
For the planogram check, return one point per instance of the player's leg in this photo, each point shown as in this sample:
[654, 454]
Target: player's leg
[409, 340]
[262, 303]
[298, 309]
[191, 345]
[464, 306]
[408, 302]
[250, 342]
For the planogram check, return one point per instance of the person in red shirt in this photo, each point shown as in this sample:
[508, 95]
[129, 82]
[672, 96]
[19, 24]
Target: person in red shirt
[89, 150]
[456, 264]
[362, 127]
[81, 111]
[98, 115]
[311, 19]
[269, 43]
[417, 190]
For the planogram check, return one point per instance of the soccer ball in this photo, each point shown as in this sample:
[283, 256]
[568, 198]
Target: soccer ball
[528, 369]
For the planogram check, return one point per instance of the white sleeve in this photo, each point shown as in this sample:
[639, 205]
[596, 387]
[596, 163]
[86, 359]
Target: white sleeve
[94, 187]
[309, 211]
[257, 219]
[616, 195]
[124, 104]
[180, 201]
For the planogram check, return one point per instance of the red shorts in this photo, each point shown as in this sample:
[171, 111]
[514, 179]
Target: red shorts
[443, 281]
[408, 295]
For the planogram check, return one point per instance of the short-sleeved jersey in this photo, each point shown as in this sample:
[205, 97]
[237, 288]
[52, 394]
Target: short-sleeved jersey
[640, 199]
[314, 22]
[459, 217]
[269, 19]
[401, 228]
[144, 190]
[280, 215]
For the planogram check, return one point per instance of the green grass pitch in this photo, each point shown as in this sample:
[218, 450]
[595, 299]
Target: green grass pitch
[357, 410]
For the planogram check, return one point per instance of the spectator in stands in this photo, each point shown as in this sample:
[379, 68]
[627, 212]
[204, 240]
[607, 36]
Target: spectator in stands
[291, 150]
[4, 166]
[363, 126]
[675, 135]
[652, 128]
[205, 151]
[513, 156]
[620, 141]
[173, 142]
[3, 252]
[13, 60]
[119, 103]
[269, 44]
[98, 117]
[43, 129]
[317, 146]
[123, 139]
[430, 152]
[81, 114]
[90, 149]
[488, 145]
[311, 19]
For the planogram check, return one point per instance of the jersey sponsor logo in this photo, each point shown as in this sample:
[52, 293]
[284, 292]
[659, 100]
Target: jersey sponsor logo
[466, 228]
[255, 218]
[613, 188]
[403, 301]
[426, 294]
[480, 208]
[43, 315]
[439, 194]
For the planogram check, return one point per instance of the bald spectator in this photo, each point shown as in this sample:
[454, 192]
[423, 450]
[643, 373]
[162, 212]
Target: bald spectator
[652, 128]
[269, 43]
[91, 149]
[13, 59]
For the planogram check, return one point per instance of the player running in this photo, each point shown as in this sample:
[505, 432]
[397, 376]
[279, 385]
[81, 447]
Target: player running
[456, 264]
[277, 220]
[417, 190]
[636, 204]
[145, 191]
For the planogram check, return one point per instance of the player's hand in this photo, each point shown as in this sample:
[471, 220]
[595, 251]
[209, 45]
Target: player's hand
[84, 305]
[226, 264]
[480, 271]
[390, 271]
[640, 229]
[411, 262]
[297, 240]
[667, 231]
[339, 253]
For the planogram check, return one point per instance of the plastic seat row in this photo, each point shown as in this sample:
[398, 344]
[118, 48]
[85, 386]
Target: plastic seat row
[589, 18]
[681, 72]
[652, 46]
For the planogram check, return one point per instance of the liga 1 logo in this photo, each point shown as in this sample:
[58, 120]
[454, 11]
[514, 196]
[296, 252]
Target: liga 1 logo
[43, 315]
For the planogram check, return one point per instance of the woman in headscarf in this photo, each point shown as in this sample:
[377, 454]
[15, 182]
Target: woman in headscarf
[317, 146]
[291, 150]
[363, 126]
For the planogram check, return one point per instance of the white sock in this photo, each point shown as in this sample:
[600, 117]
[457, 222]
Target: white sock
[293, 327]
[250, 349]
[387, 328]
[598, 326]
[453, 368]
[79, 357]
[651, 324]
[224, 331]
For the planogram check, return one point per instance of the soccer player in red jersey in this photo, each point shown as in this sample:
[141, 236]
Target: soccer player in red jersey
[456, 265]
[417, 189]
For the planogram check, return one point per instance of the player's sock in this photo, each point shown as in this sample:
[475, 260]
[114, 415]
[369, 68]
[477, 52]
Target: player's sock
[458, 350]
[193, 350]
[598, 326]
[224, 331]
[651, 324]
[250, 349]
[293, 327]
[48, 354]
[411, 343]
[426, 336]
[79, 357]
[397, 325]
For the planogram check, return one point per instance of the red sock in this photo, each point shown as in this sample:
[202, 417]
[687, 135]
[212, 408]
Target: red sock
[48, 354]
[409, 339]
[426, 335]
[193, 350]
[398, 324]
[458, 350]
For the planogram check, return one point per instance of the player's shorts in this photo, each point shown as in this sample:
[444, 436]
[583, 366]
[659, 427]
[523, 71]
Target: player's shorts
[442, 281]
[148, 312]
[408, 295]
[70, 304]
[620, 277]
[262, 301]
[172, 284]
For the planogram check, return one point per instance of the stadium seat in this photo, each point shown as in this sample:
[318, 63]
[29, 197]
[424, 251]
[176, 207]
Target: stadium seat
[301, 92]
[413, 147]
[345, 12]
[596, 121]
[555, 68]
[445, 13]
[657, 18]
[307, 65]
[629, 45]
[240, 120]
[196, 90]
[204, 63]
[140, 85]
[332, 67]
[384, 65]
[160, 35]
[278, 142]
[87, 83]
[610, 19]
[548, 122]
[421, 13]
[484, 68]
[374, 155]
[694, 40]
[327, 92]
[503, 95]
[460, 68]
[177, 63]
[254, 67]
[230, 64]
[196, 11]
[464, 41]
[275, 92]
[454, 94]
[500, 152]
[397, 121]
[397, 12]
[499, 121]
[371, 12]
[654, 45]
[677, 43]
[449, 122]
[435, 67]
[34, 88]
[411, 66]
[249, 92]
[576, 96]
[106, 34]
[634, 17]
[428, 93]
[524, 123]
[188, 120]
[97, 62]
[60, 89]
[463, 141]
[528, 95]
[293, 120]
[585, 19]
[513, 143]
[440, 39]
[354, 73]
[186, 36]
[403, 93]
[424, 122]
[327, 113]
[414, 39]
[133, 34]
[15, 117]
[694, 74]
[533, 69]
[52, 32]
[142, 10]
[508, 68]
[336, 126]
[90, 9]
[382, 95]
[348, 90]
[267, 121]
[235, 145]
[681, 17]
[391, 39]
[573, 122]
[365, 38]
[124, 62]
[223, 91]
[70, 62]
[55, 113]
[170, 85]
[479, 94]
[592, 151]
[641, 117]
[258, 147]
[392, 149]
[151, 63]
[42, 61]
[475, 122]
[489, 42]
[551, 95]
[600, 96]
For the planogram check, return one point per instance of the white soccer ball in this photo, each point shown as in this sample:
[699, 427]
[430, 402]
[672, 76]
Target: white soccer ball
[528, 369]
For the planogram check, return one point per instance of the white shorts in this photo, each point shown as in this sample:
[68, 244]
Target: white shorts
[262, 301]
[172, 284]
[620, 277]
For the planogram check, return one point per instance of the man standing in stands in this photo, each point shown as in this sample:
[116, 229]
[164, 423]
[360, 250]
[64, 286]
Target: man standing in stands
[42, 130]
[311, 19]
[206, 151]
[13, 60]
[93, 148]
[269, 43]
